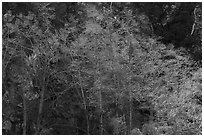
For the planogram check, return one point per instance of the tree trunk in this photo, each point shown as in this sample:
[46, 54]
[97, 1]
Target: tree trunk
[130, 112]
[131, 51]
[24, 114]
[83, 100]
[116, 101]
[101, 113]
[41, 102]
[84, 104]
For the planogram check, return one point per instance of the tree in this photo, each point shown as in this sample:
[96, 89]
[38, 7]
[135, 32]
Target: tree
[110, 76]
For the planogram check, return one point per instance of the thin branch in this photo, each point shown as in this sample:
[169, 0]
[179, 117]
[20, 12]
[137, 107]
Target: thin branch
[193, 27]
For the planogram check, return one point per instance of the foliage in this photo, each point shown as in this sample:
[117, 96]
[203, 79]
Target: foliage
[110, 76]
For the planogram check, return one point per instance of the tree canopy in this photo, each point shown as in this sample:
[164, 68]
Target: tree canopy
[101, 68]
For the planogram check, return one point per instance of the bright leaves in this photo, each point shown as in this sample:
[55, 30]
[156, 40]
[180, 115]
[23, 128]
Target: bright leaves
[110, 79]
